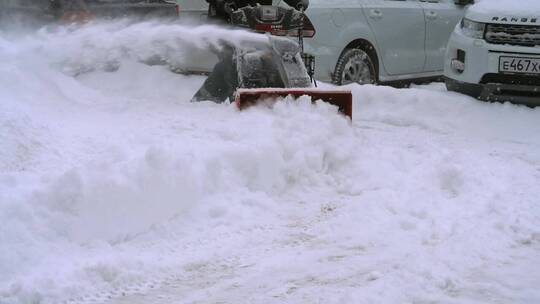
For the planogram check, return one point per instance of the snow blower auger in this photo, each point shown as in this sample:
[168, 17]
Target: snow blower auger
[280, 68]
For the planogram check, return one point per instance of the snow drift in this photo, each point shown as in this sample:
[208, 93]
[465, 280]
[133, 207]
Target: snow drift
[114, 188]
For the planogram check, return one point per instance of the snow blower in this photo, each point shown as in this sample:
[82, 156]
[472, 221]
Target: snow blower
[282, 68]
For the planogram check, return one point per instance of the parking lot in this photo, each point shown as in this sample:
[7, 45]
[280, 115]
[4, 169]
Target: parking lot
[115, 188]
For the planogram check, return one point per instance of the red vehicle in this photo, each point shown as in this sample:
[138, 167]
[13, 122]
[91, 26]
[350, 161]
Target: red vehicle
[39, 12]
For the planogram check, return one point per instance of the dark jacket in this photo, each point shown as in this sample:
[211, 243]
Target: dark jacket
[217, 7]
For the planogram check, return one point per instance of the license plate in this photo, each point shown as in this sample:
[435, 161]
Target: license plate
[519, 65]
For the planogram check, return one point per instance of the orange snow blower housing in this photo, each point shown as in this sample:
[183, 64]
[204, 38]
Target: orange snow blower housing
[281, 68]
[342, 99]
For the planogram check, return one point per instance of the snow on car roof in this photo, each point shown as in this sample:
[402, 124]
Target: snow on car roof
[507, 7]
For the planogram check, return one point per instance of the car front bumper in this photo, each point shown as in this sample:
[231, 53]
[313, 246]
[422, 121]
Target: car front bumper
[522, 94]
[481, 78]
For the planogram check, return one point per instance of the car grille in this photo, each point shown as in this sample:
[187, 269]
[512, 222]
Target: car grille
[514, 85]
[511, 79]
[524, 35]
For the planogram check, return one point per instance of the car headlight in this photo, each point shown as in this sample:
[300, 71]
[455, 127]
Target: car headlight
[473, 29]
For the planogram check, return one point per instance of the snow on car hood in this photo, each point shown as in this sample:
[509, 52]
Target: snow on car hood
[506, 11]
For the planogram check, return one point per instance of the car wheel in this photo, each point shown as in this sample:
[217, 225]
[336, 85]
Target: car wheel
[354, 66]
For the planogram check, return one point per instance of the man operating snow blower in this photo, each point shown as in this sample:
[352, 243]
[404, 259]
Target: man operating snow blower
[270, 69]
[223, 81]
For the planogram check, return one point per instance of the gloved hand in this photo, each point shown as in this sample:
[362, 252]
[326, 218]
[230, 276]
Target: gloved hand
[223, 6]
[229, 6]
[302, 5]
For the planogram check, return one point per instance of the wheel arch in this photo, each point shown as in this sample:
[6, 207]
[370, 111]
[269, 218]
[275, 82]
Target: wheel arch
[367, 47]
[359, 35]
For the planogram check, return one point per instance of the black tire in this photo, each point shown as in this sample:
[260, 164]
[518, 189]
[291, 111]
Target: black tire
[355, 66]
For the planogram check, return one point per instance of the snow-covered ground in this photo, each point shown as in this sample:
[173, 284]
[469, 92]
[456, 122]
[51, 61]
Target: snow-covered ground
[114, 188]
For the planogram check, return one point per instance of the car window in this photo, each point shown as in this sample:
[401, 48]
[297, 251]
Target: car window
[193, 4]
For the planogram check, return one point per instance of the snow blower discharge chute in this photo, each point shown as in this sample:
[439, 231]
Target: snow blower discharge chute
[280, 68]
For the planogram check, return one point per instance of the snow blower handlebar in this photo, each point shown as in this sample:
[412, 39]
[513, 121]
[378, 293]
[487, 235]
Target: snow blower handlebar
[278, 21]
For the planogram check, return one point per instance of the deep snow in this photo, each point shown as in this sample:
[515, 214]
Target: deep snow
[115, 189]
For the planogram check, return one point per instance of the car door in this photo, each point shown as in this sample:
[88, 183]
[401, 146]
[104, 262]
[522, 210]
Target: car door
[441, 17]
[399, 29]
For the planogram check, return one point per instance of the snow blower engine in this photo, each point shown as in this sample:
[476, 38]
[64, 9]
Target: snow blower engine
[281, 68]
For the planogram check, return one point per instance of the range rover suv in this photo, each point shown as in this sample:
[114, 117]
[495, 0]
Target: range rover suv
[494, 54]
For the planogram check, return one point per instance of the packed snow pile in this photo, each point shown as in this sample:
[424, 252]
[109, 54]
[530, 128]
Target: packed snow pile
[114, 188]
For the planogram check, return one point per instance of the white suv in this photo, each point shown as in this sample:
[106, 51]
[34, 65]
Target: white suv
[381, 41]
[494, 54]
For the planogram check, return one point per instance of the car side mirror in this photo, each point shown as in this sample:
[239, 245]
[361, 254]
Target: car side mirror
[463, 2]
